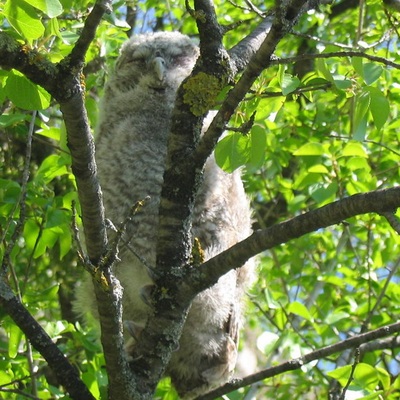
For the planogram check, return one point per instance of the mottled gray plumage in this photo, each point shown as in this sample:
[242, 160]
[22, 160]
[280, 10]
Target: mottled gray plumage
[131, 146]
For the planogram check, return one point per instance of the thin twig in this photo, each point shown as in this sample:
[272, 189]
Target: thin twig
[382, 294]
[353, 368]
[290, 60]
[120, 231]
[21, 200]
[298, 363]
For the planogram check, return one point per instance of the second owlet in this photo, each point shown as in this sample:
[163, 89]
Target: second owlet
[131, 148]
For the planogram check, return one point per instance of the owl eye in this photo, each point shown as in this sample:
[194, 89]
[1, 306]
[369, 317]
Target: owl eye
[136, 60]
[181, 60]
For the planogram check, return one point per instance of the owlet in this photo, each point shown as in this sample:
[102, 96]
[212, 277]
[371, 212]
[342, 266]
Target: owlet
[131, 146]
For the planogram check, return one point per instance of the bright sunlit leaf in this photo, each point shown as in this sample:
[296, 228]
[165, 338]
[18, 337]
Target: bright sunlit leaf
[310, 149]
[52, 8]
[24, 19]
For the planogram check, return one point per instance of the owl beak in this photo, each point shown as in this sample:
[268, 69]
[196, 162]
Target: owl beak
[159, 68]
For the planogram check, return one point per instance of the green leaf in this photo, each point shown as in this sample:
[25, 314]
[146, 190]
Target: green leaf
[318, 169]
[24, 19]
[354, 149]
[323, 194]
[363, 102]
[51, 167]
[289, 84]
[55, 217]
[379, 107]
[360, 131]
[323, 69]
[65, 242]
[355, 163]
[232, 152]
[36, 297]
[53, 28]
[5, 377]
[300, 309]
[341, 374]
[384, 377]
[47, 241]
[365, 375]
[31, 233]
[52, 133]
[315, 81]
[24, 93]
[360, 120]
[357, 63]
[342, 83]
[14, 340]
[52, 8]
[258, 137]
[372, 72]
[12, 119]
[269, 300]
[336, 316]
[310, 149]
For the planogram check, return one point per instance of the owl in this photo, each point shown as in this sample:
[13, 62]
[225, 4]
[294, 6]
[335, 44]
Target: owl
[131, 148]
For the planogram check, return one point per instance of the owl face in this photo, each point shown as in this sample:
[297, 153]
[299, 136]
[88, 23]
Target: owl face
[155, 62]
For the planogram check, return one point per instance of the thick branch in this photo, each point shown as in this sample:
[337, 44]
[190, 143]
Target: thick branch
[80, 143]
[109, 296]
[379, 201]
[81, 146]
[242, 52]
[211, 33]
[40, 71]
[297, 363]
[389, 343]
[181, 177]
[66, 374]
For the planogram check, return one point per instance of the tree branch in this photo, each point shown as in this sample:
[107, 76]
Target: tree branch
[370, 57]
[297, 363]
[66, 374]
[379, 201]
[241, 53]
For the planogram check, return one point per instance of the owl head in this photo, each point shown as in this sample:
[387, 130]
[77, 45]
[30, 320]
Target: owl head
[155, 62]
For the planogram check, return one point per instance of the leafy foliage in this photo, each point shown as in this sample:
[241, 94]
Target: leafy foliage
[323, 129]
